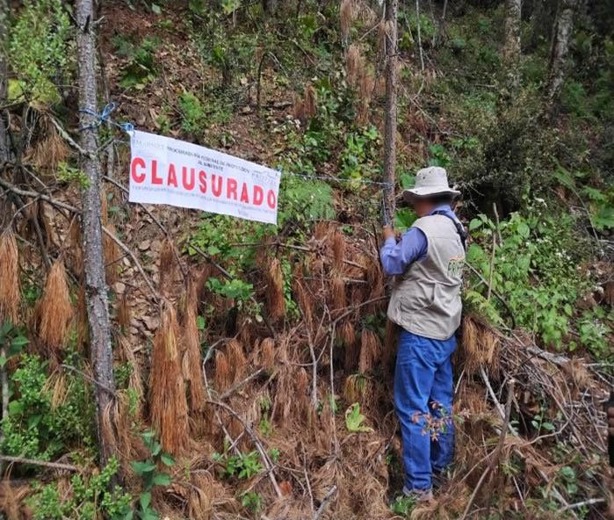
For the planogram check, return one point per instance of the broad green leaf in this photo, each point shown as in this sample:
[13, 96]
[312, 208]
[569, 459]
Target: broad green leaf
[354, 419]
[166, 459]
[141, 468]
[145, 500]
[162, 479]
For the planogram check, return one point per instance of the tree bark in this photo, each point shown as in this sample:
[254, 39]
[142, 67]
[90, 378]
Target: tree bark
[4, 141]
[560, 47]
[511, 47]
[95, 283]
[390, 125]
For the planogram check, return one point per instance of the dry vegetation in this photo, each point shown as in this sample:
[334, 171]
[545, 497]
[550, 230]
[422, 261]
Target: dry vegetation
[331, 357]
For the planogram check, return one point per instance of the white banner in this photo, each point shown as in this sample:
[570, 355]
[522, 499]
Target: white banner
[168, 171]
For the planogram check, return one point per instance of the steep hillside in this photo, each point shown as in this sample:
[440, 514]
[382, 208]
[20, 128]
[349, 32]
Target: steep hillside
[253, 363]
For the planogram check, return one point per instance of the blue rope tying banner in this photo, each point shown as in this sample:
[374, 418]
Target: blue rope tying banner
[104, 117]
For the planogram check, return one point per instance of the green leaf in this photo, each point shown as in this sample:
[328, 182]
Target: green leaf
[166, 459]
[155, 8]
[19, 341]
[145, 500]
[200, 323]
[2, 361]
[476, 223]
[354, 419]
[141, 468]
[162, 479]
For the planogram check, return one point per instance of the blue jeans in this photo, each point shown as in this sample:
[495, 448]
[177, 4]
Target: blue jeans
[423, 391]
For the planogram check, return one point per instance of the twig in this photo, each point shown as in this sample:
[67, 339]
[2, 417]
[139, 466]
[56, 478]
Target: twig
[256, 440]
[241, 384]
[33, 462]
[138, 265]
[154, 219]
[90, 379]
[497, 452]
[325, 502]
[499, 297]
[589, 502]
[419, 35]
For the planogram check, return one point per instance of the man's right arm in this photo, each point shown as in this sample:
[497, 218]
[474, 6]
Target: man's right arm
[397, 257]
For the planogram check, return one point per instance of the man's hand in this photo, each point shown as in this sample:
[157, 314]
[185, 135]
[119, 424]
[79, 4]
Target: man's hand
[388, 232]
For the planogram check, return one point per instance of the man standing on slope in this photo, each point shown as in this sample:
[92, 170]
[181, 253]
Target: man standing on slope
[426, 304]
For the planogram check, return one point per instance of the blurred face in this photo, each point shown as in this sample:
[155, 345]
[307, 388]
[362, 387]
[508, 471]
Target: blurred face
[422, 206]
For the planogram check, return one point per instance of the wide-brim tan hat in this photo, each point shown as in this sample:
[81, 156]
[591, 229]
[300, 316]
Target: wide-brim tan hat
[431, 181]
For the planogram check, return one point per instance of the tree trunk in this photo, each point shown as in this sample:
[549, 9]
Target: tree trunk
[511, 47]
[390, 126]
[4, 141]
[269, 6]
[95, 284]
[560, 47]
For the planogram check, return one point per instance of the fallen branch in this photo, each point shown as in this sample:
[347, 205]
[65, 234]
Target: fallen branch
[578, 505]
[256, 440]
[77, 211]
[325, 502]
[90, 379]
[497, 452]
[138, 265]
[42, 463]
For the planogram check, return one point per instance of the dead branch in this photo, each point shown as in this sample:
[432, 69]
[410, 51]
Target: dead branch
[497, 452]
[90, 379]
[325, 502]
[33, 462]
[256, 441]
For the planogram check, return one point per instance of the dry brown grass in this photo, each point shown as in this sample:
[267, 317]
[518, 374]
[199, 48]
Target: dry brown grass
[124, 314]
[54, 310]
[339, 247]
[370, 350]
[167, 268]
[346, 333]
[236, 360]
[306, 107]
[13, 500]
[479, 347]
[10, 293]
[338, 296]
[223, 374]
[354, 65]
[347, 12]
[75, 251]
[168, 403]
[266, 356]
[50, 149]
[192, 361]
[276, 303]
[126, 354]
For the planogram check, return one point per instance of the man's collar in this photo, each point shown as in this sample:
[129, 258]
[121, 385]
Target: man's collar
[444, 208]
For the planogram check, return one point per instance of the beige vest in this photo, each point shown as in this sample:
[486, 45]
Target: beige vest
[426, 300]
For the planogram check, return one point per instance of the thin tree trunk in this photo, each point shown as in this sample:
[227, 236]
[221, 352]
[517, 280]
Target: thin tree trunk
[390, 127]
[95, 284]
[560, 47]
[511, 47]
[4, 141]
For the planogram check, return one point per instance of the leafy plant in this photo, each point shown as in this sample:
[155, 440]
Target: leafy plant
[40, 49]
[141, 68]
[242, 465]
[72, 175]
[151, 476]
[37, 427]
[354, 420]
[91, 496]
[533, 269]
[12, 341]
[252, 501]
